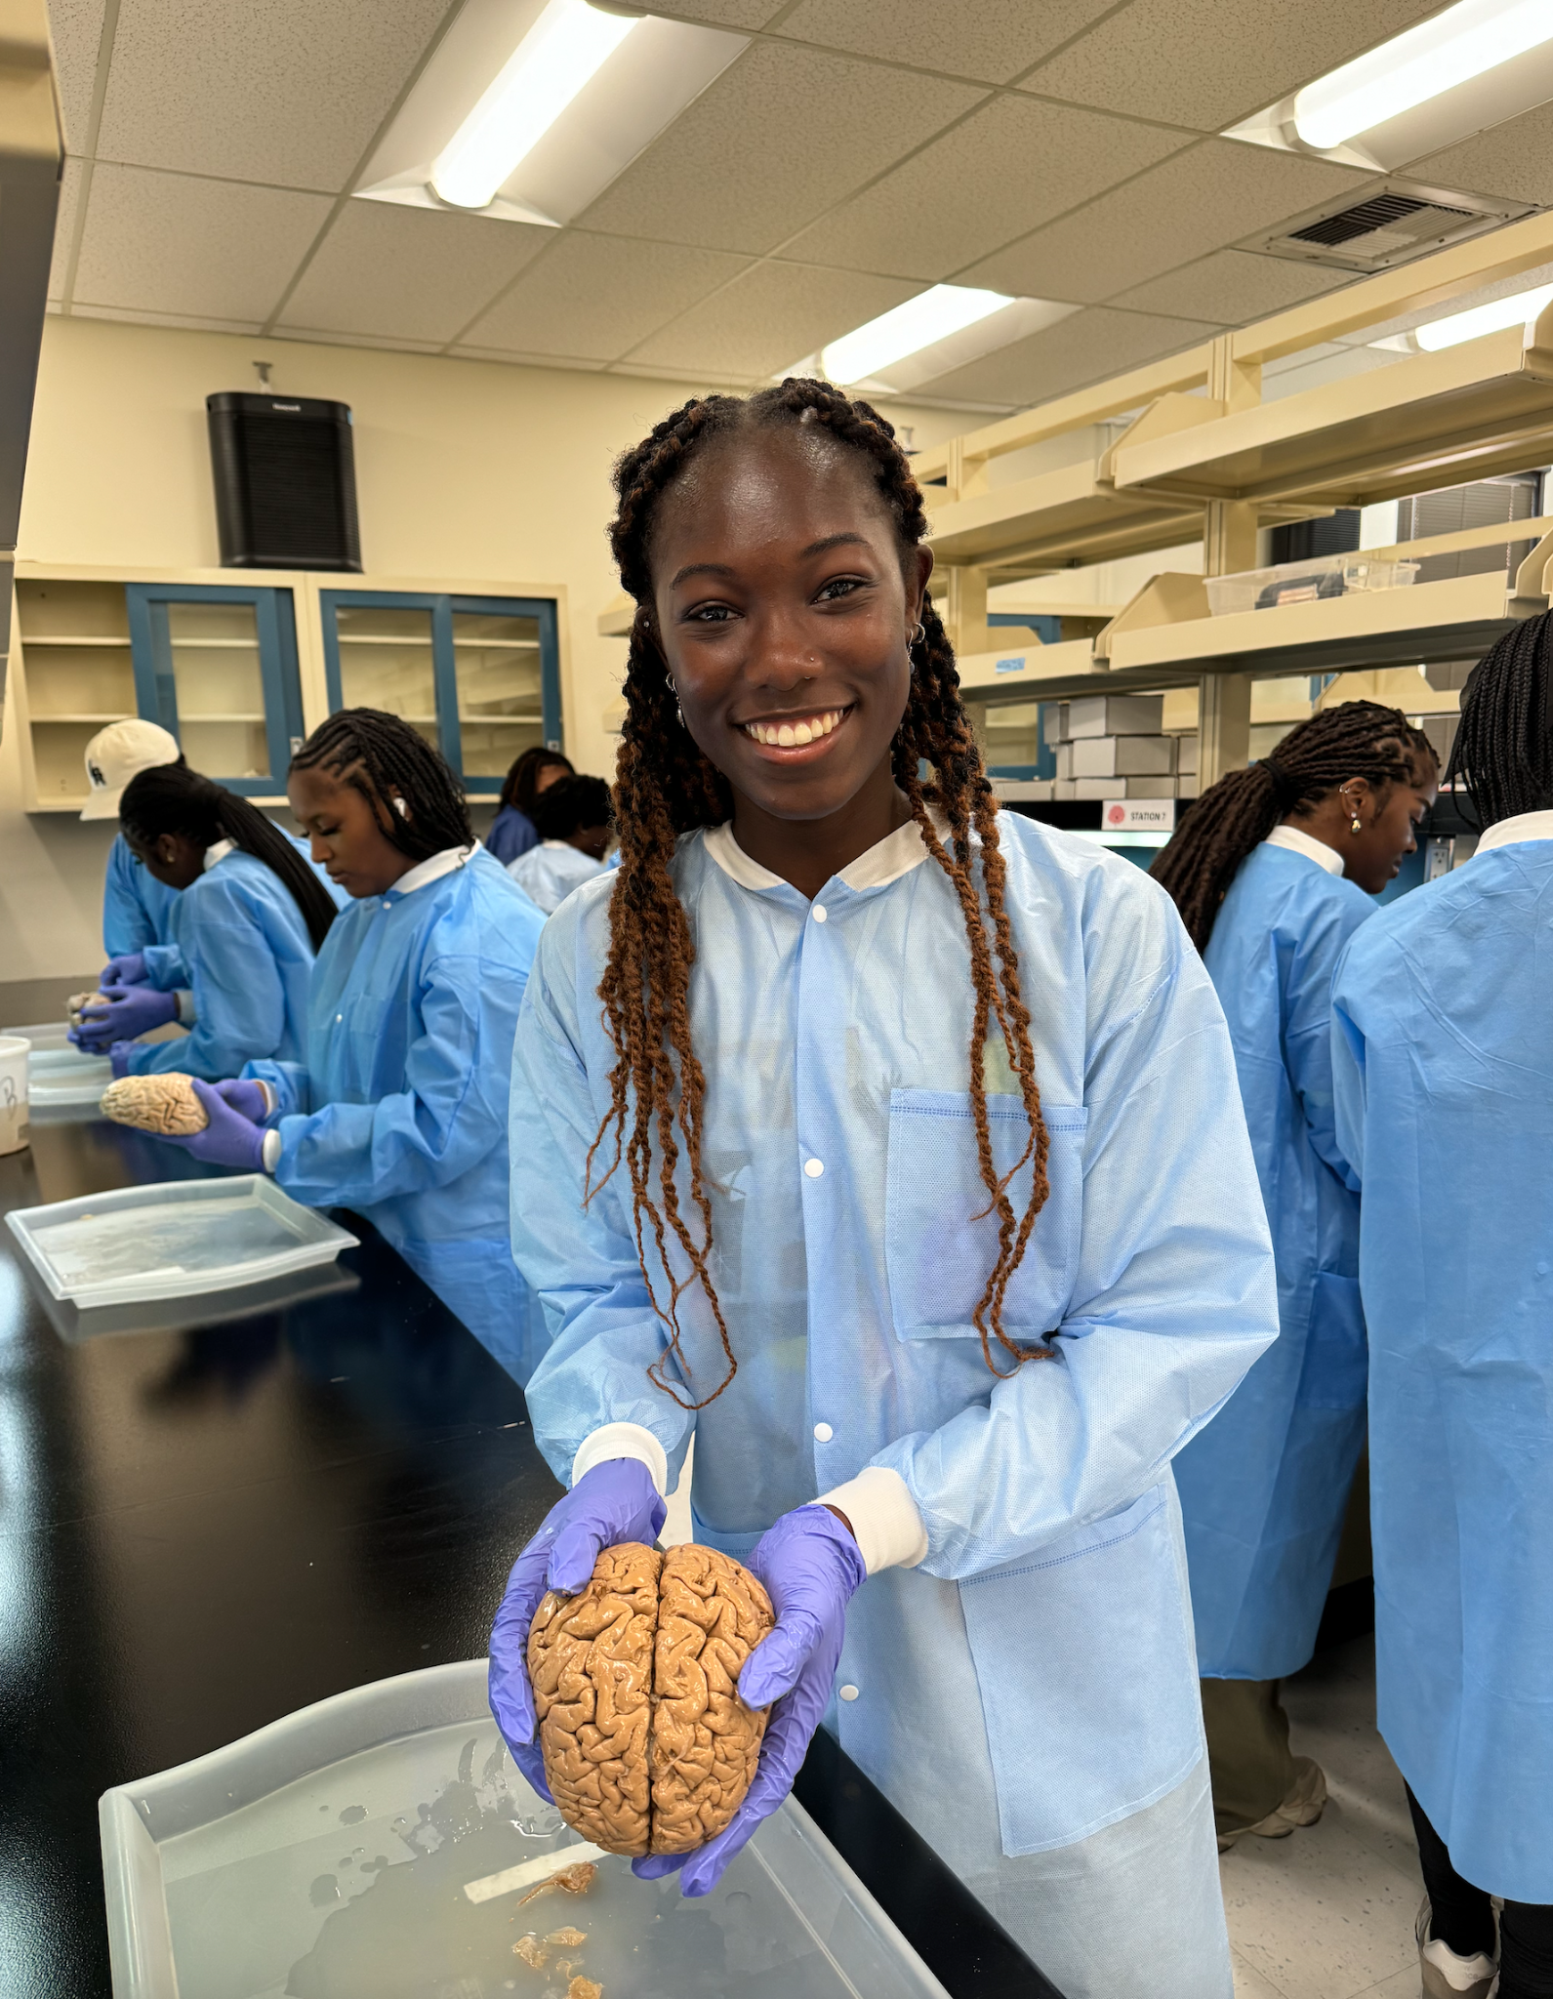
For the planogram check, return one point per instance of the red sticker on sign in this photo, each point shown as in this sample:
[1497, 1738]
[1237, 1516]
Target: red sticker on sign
[1115, 814]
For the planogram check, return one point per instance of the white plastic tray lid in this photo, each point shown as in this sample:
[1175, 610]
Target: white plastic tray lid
[381, 1845]
[173, 1239]
[66, 1077]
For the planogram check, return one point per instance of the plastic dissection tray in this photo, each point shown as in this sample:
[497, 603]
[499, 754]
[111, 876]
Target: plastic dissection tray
[173, 1239]
[43, 1034]
[66, 1078]
[382, 1845]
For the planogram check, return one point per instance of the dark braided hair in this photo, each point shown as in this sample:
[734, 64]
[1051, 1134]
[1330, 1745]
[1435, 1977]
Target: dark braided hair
[665, 786]
[1503, 752]
[386, 760]
[171, 798]
[1234, 816]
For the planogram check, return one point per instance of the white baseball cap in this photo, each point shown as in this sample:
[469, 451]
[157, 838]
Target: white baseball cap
[118, 753]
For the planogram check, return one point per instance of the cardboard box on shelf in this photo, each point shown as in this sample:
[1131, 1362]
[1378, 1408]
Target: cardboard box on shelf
[1122, 756]
[1186, 754]
[1114, 715]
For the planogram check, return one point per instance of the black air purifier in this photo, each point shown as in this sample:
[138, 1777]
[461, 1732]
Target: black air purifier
[285, 482]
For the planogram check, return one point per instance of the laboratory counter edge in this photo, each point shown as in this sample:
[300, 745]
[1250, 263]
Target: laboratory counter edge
[215, 1511]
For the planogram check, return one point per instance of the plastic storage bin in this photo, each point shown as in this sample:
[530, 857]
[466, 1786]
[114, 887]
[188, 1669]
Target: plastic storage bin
[174, 1239]
[380, 1845]
[1304, 582]
[66, 1080]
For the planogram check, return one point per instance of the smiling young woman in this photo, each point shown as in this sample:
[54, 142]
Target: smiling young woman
[902, 1165]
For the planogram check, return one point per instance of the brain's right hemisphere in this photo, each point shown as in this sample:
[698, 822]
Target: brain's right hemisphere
[647, 1746]
[165, 1104]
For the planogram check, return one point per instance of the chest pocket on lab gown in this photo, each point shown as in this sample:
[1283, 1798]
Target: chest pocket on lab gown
[940, 1240]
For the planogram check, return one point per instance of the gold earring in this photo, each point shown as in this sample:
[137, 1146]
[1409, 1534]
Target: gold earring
[1356, 826]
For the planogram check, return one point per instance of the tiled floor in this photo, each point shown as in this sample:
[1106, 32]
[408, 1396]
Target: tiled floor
[1328, 1913]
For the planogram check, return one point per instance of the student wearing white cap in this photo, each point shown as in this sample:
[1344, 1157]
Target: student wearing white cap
[136, 907]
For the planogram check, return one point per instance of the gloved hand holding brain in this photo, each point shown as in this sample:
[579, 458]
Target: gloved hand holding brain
[647, 1746]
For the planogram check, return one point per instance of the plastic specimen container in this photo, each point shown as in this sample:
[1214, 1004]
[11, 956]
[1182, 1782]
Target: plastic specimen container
[66, 1079]
[381, 1844]
[14, 1057]
[173, 1239]
[1308, 582]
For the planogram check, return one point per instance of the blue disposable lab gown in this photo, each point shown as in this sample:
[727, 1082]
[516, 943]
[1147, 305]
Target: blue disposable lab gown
[247, 957]
[512, 833]
[1264, 1487]
[137, 912]
[137, 909]
[399, 1107]
[548, 873]
[1443, 1068]
[1034, 1680]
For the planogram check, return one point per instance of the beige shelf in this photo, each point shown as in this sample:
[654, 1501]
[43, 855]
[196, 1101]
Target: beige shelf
[57, 639]
[502, 721]
[100, 721]
[1433, 420]
[496, 645]
[1032, 526]
[186, 719]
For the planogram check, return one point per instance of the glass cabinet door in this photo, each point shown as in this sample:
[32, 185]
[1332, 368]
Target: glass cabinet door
[382, 653]
[218, 668]
[478, 676]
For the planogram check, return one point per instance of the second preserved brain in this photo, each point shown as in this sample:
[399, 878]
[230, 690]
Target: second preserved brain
[647, 1746]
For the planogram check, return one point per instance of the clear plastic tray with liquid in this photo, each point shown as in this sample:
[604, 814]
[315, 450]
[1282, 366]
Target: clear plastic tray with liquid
[173, 1239]
[382, 1845]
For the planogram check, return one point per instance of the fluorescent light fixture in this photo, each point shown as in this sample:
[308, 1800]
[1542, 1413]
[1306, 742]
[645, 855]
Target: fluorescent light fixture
[565, 48]
[1521, 309]
[921, 322]
[1439, 55]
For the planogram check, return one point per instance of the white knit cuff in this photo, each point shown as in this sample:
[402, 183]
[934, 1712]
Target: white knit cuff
[269, 1152]
[623, 1440]
[185, 1015]
[884, 1518]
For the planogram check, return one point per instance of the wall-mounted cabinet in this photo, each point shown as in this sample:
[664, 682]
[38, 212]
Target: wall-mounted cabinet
[480, 677]
[239, 673]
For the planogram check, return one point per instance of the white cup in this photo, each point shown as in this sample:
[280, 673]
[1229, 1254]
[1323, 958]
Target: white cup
[13, 1092]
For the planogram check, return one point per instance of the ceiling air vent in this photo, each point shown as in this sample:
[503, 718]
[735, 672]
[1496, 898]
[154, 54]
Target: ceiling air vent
[1391, 224]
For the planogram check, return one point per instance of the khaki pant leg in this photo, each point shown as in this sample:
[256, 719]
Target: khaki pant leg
[1248, 1750]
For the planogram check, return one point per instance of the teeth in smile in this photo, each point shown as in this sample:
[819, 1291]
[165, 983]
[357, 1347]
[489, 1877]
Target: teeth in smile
[789, 735]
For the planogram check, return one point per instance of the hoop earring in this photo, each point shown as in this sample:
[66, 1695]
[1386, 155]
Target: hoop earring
[679, 713]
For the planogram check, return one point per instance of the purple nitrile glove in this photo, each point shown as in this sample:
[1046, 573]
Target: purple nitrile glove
[133, 1011]
[248, 1099]
[811, 1566]
[615, 1501]
[118, 1057]
[230, 1139]
[128, 969]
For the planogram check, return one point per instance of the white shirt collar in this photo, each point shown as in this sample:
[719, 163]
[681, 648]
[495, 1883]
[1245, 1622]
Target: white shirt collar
[219, 852]
[434, 869]
[556, 846]
[1512, 832]
[886, 861]
[1293, 841]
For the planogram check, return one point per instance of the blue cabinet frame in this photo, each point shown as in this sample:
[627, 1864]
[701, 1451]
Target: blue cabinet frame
[443, 606]
[156, 693]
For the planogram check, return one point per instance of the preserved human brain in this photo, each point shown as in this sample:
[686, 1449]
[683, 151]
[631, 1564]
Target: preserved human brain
[166, 1104]
[647, 1746]
[78, 1002]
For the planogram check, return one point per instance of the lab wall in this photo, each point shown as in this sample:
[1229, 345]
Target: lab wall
[465, 470]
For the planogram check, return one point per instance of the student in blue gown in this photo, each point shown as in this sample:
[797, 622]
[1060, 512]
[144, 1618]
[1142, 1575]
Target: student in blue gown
[1443, 1074]
[397, 1104]
[1273, 869]
[248, 915]
[889, 1145]
[512, 830]
[574, 820]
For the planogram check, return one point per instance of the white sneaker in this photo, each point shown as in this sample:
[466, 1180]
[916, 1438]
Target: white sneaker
[1444, 1974]
[1303, 1806]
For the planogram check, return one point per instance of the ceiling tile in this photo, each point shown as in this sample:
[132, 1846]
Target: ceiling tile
[1084, 348]
[197, 248]
[408, 273]
[290, 91]
[1514, 159]
[1006, 169]
[76, 29]
[729, 13]
[769, 318]
[594, 297]
[1197, 201]
[1207, 63]
[774, 142]
[64, 226]
[995, 39]
[1234, 286]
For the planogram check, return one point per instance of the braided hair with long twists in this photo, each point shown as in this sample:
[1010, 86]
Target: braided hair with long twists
[392, 765]
[1234, 816]
[1503, 752]
[666, 786]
